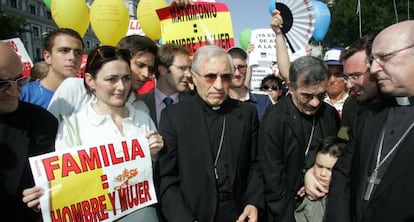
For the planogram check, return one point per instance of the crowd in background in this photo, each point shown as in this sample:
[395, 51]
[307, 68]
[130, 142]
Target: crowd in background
[327, 139]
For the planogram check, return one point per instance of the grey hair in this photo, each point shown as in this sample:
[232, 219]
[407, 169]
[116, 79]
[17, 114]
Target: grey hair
[207, 52]
[312, 69]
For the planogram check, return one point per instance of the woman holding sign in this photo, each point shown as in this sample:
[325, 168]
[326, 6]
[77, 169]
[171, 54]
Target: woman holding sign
[106, 120]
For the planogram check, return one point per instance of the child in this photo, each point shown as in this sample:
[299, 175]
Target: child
[327, 155]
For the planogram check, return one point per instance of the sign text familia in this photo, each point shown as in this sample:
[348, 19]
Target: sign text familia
[90, 160]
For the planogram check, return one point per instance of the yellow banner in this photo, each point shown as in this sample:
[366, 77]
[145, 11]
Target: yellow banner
[197, 25]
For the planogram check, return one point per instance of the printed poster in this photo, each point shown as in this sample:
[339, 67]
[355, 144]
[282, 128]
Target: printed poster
[95, 182]
[197, 25]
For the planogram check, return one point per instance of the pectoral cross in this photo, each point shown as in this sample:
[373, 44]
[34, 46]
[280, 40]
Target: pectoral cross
[372, 181]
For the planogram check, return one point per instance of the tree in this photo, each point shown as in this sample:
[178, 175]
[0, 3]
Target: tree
[375, 16]
[11, 26]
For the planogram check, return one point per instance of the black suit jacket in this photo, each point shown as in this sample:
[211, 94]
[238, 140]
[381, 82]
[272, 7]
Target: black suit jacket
[188, 184]
[149, 100]
[26, 132]
[282, 145]
[393, 198]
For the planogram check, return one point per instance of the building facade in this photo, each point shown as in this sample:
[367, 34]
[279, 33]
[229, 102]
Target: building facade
[39, 21]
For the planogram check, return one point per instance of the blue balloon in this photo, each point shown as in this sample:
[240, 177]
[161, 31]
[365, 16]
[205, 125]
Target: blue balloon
[272, 6]
[322, 20]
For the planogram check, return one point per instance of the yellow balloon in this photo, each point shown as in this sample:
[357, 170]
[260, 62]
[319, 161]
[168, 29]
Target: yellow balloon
[148, 18]
[109, 20]
[72, 14]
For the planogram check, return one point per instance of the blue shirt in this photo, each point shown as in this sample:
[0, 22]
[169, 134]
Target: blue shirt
[35, 93]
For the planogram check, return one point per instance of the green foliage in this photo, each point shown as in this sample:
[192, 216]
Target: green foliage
[375, 16]
[11, 26]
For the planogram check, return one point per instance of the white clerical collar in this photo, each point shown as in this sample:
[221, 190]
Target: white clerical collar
[405, 101]
[215, 108]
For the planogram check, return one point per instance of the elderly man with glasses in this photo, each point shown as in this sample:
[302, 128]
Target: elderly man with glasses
[209, 167]
[374, 179]
[25, 130]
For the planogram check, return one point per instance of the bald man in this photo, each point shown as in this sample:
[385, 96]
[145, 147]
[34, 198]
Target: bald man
[374, 179]
[25, 130]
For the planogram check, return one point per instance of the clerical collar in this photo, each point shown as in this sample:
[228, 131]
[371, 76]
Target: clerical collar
[215, 108]
[405, 101]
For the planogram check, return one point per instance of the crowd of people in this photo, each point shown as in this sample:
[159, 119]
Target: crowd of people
[327, 140]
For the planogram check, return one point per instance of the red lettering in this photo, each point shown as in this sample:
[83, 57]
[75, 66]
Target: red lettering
[114, 158]
[104, 155]
[125, 149]
[112, 199]
[50, 166]
[91, 160]
[93, 209]
[69, 164]
[144, 194]
[136, 149]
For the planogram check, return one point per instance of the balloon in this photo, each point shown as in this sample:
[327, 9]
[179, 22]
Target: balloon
[244, 38]
[72, 14]
[322, 20]
[47, 3]
[109, 20]
[148, 18]
[272, 6]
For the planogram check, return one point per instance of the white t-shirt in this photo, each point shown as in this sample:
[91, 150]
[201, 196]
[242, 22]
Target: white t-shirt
[71, 96]
[88, 127]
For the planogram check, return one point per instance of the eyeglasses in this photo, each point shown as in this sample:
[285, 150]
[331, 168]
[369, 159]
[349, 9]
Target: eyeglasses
[308, 97]
[354, 76]
[381, 59]
[241, 68]
[18, 81]
[109, 52]
[183, 68]
[267, 87]
[211, 77]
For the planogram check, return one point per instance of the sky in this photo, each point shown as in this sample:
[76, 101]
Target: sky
[252, 14]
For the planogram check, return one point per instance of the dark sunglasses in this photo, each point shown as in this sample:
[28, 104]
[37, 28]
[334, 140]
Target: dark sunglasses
[109, 52]
[267, 87]
[211, 77]
[18, 81]
[241, 68]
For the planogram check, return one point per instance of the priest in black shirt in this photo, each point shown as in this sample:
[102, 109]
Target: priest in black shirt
[374, 179]
[209, 166]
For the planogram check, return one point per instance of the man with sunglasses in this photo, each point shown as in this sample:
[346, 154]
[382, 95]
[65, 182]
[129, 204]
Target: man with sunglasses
[238, 89]
[374, 179]
[290, 133]
[63, 51]
[25, 130]
[209, 166]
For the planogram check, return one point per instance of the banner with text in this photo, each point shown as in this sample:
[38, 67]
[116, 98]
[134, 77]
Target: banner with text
[196, 25]
[17, 45]
[95, 182]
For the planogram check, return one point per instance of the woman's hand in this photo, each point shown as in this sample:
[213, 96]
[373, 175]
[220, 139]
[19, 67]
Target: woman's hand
[31, 197]
[156, 143]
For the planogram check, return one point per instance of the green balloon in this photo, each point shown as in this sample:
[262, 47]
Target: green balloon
[47, 3]
[244, 38]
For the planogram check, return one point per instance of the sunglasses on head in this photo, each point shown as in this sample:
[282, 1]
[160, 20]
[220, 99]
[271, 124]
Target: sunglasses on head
[109, 52]
[267, 87]
[18, 81]
[211, 77]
